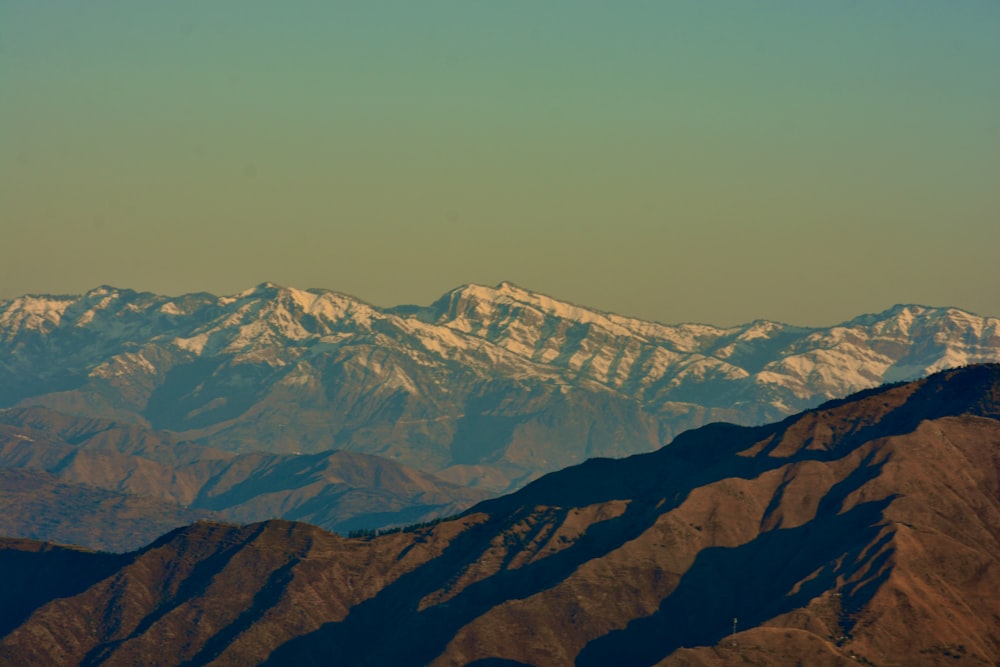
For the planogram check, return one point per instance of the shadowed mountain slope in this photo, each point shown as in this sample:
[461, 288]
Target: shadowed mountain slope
[488, 386]
[867, 530]
[34, 573]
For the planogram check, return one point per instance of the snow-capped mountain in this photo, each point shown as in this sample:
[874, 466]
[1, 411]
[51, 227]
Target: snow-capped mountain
[489, 385]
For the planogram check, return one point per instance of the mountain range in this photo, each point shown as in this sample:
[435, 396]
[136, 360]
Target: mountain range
[488, 387]
[863, 531]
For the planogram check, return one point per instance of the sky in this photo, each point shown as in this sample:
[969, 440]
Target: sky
[678, 161]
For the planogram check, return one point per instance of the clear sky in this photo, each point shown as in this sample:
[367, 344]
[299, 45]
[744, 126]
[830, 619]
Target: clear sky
[678, 161]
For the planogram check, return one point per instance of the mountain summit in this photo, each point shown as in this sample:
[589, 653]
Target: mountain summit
[491, 386]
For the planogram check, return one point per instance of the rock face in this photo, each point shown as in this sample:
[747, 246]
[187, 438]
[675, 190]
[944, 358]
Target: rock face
[114, 486]
[864, 531]
[487, 386]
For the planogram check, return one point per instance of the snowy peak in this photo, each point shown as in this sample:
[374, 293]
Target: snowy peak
[482, 300]
[272, 298]
[903, 315]
[492, 311]
[40, 313]
[951, 328]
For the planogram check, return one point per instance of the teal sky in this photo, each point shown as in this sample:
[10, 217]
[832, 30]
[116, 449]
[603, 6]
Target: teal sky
[678, 161]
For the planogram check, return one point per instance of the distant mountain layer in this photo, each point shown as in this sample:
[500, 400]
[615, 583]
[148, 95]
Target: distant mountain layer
[37, 505]
[487, 386]
[113, 486]
[866, 531]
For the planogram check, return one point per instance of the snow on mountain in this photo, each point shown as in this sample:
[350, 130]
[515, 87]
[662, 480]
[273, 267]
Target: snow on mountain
[494, 381]
[31, 313]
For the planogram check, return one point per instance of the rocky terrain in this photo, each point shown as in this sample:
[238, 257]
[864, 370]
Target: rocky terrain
[864, 531]
[489, 386]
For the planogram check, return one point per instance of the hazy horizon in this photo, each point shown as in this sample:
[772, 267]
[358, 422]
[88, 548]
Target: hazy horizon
[678, 162]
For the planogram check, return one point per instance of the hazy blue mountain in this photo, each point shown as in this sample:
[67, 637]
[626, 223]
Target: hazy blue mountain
[117, 486]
